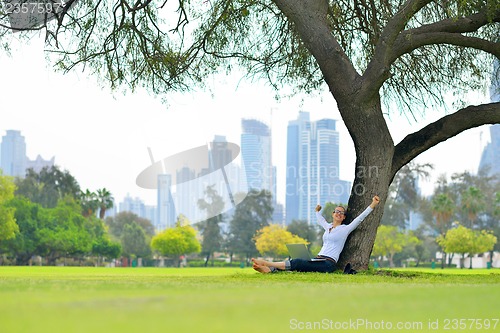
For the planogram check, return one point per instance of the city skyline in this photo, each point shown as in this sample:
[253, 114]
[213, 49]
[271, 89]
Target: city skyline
[118, 201]
[102, 137]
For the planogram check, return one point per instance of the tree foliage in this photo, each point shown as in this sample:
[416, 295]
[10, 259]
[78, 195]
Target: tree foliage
[272, 239]
[48, 186]
[390, 241]
[177, 241]
[464, 241]
[210, 230]
[8, 225]
[251, 215]
[134, 241]
[304, 230]
[403, 194]
[117, 223]
[105, 201]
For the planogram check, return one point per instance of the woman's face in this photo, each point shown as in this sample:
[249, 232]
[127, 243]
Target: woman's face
[338, 214]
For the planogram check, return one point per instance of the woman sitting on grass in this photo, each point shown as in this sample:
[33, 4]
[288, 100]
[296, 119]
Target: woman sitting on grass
[333, 242]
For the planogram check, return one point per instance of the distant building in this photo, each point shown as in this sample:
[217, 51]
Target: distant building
[256, 152]
[133, 205]
[490, 157]
[151, 214]
[13, 154]
[166, 208]
[312, 175]
[278, 214]
[39, 163]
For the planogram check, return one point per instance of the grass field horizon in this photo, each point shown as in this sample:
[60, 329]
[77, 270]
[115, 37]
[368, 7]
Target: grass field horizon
[88, 299]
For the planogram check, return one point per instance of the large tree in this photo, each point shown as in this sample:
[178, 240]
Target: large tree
[374, 57]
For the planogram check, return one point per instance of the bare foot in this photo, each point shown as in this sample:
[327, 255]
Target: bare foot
[259, 262]
[261, 269]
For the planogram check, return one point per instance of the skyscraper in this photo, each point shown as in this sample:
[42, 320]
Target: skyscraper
[312, 167]
[256, 155]
[491, 154]
[13, 156]
[166, 207]
[133, 205]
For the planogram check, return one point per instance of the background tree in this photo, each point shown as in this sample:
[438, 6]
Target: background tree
[8, 225]
[373, 57]
[252, 214]
[403, 194]
[304, 230]
[483, 241]
[61, 232]
[89, 203]
[426, 248]
[272, 239]
[132, 232]
[134, 241]
[472, 204]
[463, 240]
[457, 240]
[25, 244]
[48, 186]
[496, 227]
[390, 241]
[118, 222]
[105, 201]
[443, 208]
[104, 247]
[177, 241]
[210, 228]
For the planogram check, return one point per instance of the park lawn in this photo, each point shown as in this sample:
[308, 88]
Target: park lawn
[82, 299]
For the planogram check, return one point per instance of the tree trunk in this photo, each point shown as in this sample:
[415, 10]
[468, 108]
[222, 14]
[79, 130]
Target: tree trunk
[373, 175]
[391, 260]
[450, 259]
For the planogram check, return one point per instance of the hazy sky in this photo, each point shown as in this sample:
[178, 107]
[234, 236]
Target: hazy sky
[102, 138]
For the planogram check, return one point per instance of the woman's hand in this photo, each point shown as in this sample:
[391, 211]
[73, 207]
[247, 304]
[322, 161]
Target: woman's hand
[318, 208]
[375, 202]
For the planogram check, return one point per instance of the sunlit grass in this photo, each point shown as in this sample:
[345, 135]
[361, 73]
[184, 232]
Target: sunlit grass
[74, 299]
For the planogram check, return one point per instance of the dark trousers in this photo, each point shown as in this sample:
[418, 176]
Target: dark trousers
[324, 266]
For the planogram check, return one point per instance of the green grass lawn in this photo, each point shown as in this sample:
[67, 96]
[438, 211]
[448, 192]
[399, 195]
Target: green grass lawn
[74, 299]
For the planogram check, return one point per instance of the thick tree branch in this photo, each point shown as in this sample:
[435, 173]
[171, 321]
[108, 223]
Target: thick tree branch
[445, 128]
[310, 21]
[395, 42]
[453, 39]
[377, 70]
[448, 32]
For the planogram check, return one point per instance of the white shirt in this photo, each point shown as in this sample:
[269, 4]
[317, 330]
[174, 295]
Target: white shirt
[334, 240]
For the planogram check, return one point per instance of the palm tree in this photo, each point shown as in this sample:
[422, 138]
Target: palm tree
[89, 202]
[442, 209]
[105, 201]
[473, 202]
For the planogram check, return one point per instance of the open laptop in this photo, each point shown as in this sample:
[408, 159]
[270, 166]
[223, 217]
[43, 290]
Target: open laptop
[300, 251]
